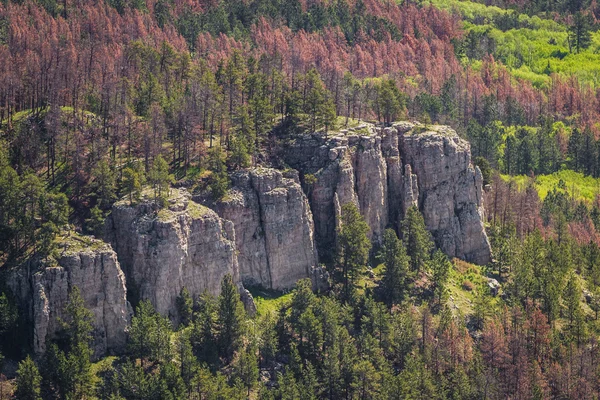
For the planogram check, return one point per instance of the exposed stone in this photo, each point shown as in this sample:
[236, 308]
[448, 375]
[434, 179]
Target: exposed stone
[248, 302]
[386, 172]
[161, 251]
[494, 286]
[89, 265]
[273, 227]
[320, 279]
[449, 191]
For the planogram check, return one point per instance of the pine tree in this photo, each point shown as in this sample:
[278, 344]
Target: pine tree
[580, 37]
[188, 363]
[230, 318]
[354, 246]
[246, 367]
[28, 381]
[394, 258]
[416, 238]
[204, 334]
[104, 184]
[268, 335]
[69, 373]
[219, 180]
[317, 102]
[132, 184]
[95, 223]
[185, 306]
[574, 314]
[440, 266]
[390, 101]
[149, 334]
[161, 179]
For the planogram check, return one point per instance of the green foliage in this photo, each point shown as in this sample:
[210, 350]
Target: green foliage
[440, 267]
[161, 180]
[485, 168]
[353, 248]
[132, 184]
[95, 223]
[230, 318]
[318, 104]
[580, 37]
[219, 179]
[184, 306]
[104, 184]
[416, 238]
[246, 367]
[67, 371]
[8, 314]
[28, 381]
[149, 334]
[395, 278]
[390, 101]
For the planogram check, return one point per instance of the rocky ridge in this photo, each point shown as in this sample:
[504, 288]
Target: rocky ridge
[43, 290]
[266, 230]
[273, 227]
[161, 251]
[384, 171]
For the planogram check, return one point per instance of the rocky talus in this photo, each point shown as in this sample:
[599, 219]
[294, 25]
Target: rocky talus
[43, 289]
[384, 171]
[161, 251]
[273, 227]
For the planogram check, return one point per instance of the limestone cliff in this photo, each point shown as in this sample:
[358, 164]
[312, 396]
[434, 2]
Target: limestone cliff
[161, 251]
[450, 191]
[384, 172]
[43, 289]
[273, 227]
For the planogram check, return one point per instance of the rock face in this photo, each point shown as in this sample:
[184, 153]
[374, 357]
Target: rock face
[92, 267]
[264, 232]
[185, 244]
[273, 227]
[450, 191]
[384, 172]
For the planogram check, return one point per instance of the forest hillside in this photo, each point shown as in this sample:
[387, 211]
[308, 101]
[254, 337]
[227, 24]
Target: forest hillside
[303, 199]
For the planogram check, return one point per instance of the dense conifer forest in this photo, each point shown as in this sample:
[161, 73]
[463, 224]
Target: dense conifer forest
[119, 100]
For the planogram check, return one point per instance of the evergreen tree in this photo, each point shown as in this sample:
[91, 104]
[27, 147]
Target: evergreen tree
[204, 333]
[580, 37]
[574, 314]
[188, 363]
[219, 180]
[104, 184]
[95, 223]
[354, 246]
[416, 238]
[246, 367]
[185, 306]
[230, 319]
[390, 101]
[161, 180]
[317, 102]
[268, 335]
[440, 266]
[393, 254]
[132, 184]
[68, 373]
[28, 381]
[149, 334]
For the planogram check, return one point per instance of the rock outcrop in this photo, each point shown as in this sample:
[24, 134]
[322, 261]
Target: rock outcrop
[273, 227]
[450, 191]
[384, 172]
[161, 251]
[91, 266]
